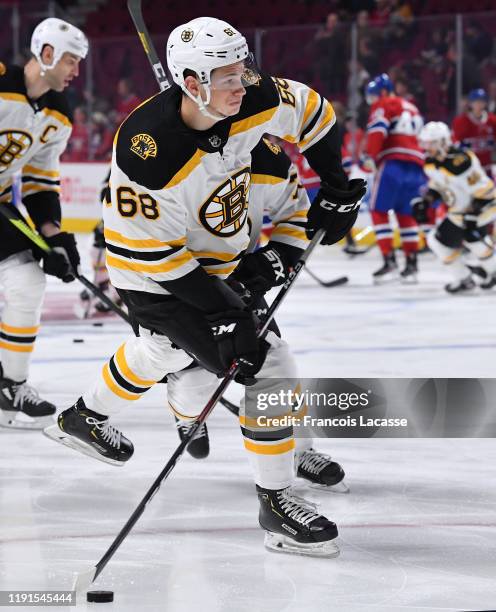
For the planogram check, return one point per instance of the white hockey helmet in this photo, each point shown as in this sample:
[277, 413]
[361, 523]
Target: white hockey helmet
[202, 45]
[435, 133]
[60, 35]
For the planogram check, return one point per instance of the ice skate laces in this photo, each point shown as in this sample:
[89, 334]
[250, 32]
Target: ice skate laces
[23, 393]
[297, 508]
[187, 425]
[313, 462]
[108, 433]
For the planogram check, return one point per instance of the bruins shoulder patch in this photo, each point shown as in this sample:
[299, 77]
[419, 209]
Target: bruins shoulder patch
[144, 146]
[224, 212]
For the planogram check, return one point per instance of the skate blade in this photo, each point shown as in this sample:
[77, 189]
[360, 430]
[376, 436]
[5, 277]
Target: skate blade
[409, 280]
[55, 433]
[276, 542]
[384, 280]
[339, 487]
[11, 421]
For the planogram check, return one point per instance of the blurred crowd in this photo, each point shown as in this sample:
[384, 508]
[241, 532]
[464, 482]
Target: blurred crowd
[421, 57]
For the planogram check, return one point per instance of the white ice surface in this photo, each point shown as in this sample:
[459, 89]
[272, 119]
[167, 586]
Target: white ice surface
[417, 531]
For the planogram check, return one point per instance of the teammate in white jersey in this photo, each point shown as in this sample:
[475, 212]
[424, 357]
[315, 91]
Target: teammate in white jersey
[176, 226]
[35, 125]
[457, 178]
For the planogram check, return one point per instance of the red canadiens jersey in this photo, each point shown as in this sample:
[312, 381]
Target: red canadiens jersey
[477, 135]
[392, 130]
[308, 178]
[352, 148]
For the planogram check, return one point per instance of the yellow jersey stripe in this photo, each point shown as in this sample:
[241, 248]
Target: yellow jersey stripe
[29, 331]
[328, 117]
[17, 348]
[15, 97]
[266, 179]
[227, 270]
[250, 122]
[56, 115]
[186, 170]
[288, 231]
[313, 100]
[114, 388]
[35, 188]
[173, 263]
[146, 243]
[38, 171]
[120, 358]
[273, 449]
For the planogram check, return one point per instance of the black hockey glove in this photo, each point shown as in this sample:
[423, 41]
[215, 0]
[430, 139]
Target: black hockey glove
[63, 245]
[262, 270]
[420, 206]
[235, 334]
[335, 210]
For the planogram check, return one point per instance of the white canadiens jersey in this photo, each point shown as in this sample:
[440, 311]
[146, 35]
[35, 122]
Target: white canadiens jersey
[180, 198]
[33, 135]
[460, 179]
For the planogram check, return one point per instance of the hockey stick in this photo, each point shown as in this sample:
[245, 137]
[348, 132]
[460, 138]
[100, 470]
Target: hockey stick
[85, 579]
[134, 8]
[336, 282]
[230, 406]
[40, 242]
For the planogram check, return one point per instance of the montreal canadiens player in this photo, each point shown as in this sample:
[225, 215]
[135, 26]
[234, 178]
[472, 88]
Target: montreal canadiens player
[176, 227]
[392, 130]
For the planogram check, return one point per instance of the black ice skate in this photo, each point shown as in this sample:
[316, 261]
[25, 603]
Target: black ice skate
[91, 433]
[489, 283]
[199, 447]
[22, 408]
[388, 271]
[320, 471]
[409, 273]
[293, 526]
[467, 285]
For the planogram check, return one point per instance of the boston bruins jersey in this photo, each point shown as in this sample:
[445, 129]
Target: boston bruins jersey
[33, 134]
[459, 179]
[276, 193]
[180, 198]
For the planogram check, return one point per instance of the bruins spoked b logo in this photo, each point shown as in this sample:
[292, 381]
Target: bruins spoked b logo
[13, 145]
[225, 211]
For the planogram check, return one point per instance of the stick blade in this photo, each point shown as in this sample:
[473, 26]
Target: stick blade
[83, 580]
[342, 280]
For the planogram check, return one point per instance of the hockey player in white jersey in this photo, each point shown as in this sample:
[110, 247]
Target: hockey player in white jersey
[176, 227]
[276, 194]
[457, 178]
[35, 125]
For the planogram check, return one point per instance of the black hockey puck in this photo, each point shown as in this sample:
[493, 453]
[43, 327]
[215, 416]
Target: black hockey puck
[78, 340]
[100, 596]
[98, 324]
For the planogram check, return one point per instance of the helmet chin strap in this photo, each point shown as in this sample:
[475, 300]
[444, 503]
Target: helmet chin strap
[203, 104]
